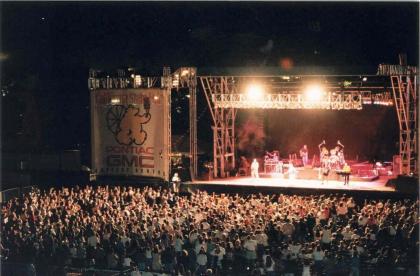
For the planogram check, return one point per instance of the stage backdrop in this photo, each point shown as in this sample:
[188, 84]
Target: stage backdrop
[130, 132]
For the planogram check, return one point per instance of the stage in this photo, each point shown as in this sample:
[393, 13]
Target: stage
[270, 184]
[378, 185]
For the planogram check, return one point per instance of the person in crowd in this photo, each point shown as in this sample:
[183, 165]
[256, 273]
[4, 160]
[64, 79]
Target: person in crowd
[176, 182]
[202, 261]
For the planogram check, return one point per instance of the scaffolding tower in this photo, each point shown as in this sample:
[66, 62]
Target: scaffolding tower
[405, 93]
[186, 77]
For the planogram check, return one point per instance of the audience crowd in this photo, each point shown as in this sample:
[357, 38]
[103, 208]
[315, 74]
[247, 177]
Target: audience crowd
[156, 230]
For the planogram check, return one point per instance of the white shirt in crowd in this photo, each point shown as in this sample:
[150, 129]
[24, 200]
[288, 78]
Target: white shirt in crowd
[362, 220]
[262, 239]
[178, 245]
[148, 254]
[219, 254]
[306, 270]
[326, 236]
[93, 241]
[202, 259]
[346, 234]
[392, 230]
[127, 262]
[250, 245]
[199, 245]
[205, 225]
[193, 237]
[295, 249]
[318, 255]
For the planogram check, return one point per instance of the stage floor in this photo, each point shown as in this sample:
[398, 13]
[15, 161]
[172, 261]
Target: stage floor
[378, 185]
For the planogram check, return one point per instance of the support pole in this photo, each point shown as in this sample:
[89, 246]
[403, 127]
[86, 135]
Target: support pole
[192, 87]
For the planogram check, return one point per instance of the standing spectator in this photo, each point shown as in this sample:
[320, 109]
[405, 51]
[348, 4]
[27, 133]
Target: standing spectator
[217, 257]
[270, 266]
[318, 257]
[156, 259]
[326, 238]
[250, 245]
[202, 261]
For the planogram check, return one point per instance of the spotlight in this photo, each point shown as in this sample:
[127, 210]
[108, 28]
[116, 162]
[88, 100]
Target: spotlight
[137, 80]
[364, 79]
[314, 93]
[115, 100]
[254, 92]
[185, 72]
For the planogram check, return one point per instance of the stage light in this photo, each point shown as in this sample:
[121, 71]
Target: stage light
[314, 93]
[115, 100]
[254, 92]
[364, 79]
[137, 80]
[185, 72]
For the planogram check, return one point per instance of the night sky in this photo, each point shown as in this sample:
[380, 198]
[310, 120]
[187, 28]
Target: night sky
[48, 48]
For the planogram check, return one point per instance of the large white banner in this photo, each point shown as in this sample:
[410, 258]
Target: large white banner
[130, 132]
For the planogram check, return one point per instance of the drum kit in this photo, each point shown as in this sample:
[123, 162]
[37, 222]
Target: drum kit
[273, 163]
[333, 159]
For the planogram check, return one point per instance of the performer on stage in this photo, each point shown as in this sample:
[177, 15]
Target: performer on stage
[254, 169]
[322, 150]
[323, 153]
[304, 155]
[333, 159]
[291, 170]
[340, 152]
[325, 171]
[346, 174]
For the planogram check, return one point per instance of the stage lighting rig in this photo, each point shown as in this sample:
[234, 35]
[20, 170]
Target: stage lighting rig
[314, 93]
[255, 92]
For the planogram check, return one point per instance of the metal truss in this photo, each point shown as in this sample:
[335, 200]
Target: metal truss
[336, 101]
[405, 91]
[384, 98]
[166, 83]
[346, 100]
[122, 79]
[223, 125]
[186, 77]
